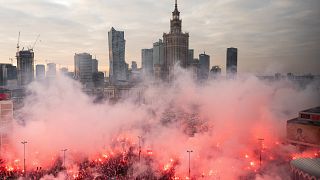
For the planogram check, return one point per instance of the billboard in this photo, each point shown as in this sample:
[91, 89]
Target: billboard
[303, 133]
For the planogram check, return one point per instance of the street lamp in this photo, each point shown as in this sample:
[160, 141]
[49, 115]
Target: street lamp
[261, 142]
[139, 147]
[64, 156]
[24, 157]
[189, 151]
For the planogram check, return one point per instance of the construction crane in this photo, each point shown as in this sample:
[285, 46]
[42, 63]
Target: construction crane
[35, 42]
[18, 46]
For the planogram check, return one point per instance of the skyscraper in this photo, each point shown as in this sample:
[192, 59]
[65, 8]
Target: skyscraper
[147, 61]
[85, 66]
[232, 60]
[117, 71]
[190, 56]
[25, 67]
[176, 45]
[40, 71]
[204, 66]
[51, 70]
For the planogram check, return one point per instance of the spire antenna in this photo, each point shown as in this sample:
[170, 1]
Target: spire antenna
[176, 4]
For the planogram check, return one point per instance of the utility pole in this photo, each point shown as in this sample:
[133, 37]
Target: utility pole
[64, 157]
[24, 156]
[261, 144]
[139, 147]
[189, 151]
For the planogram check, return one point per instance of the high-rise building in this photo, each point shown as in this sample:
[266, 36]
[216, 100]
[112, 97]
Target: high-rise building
[215, 72]
[85, 66]
[232, 61]
[158, 53]
[190, 56]
[204, 66]
[94, 65]
[117, 71]
[176, 45]
[134, 66]
[147, 61]
[51, 70]
[40, 71]
[25, 67]
[6, 120]
[7, 72]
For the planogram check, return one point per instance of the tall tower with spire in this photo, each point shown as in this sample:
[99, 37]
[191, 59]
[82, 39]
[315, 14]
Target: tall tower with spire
[176, 45]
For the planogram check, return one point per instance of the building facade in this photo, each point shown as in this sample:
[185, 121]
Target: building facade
[6, 120]
[25, 67]
[118, 67]
[232, 62]
[51, 70]
[84, 68]
[147, 62]
[40, 71]
[176, 45]
[215, 72]
[7, 72]
[204, 66]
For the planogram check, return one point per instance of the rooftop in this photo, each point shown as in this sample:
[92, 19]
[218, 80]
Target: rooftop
[313, 110]
[308, 165]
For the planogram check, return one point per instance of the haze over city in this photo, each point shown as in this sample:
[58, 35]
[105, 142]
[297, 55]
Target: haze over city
[272, 36]
[160, 90]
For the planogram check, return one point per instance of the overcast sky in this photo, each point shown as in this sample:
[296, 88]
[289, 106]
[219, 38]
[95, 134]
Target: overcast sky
[271, 35]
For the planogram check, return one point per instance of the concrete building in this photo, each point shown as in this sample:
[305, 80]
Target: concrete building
[95, 65]
[51, 70]
[204, 66]
[190, 56]
[25, 67]
[158, 53]
[118, 67]
[134, 66]
[147, 62]
[6, 120]
[8, 72]
[215, 72]
[232, 62]
[176, 45]
[40, 72]
[304, 130]
[85, 66]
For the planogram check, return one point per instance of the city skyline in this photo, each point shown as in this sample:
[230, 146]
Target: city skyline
[282, 41]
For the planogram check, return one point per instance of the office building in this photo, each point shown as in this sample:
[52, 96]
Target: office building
[118, 67]
[232, 62]
[85, 66]
[51, 70]
[147, 62]
[8, 72]
[40, 71]
[204, 66]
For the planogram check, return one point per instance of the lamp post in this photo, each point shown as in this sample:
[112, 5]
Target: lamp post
[24, 157]
[189, 151]
[261, 141]
[64, 157]
[139, 147]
